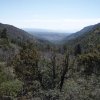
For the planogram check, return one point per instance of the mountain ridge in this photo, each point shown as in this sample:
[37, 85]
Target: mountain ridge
[51, 36]
[81, 32]
[14, 32]
[88, 39]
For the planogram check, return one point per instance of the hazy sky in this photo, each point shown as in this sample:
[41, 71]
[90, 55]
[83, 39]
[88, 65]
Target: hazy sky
[63, 15]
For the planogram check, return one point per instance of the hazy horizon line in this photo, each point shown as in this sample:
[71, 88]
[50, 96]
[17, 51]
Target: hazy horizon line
[55, 25]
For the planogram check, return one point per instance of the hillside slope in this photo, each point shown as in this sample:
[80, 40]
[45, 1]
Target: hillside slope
[90, 37]
[17, 34]
[79, 33]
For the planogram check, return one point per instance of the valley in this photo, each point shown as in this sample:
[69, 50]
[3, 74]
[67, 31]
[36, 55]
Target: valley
[43, 65]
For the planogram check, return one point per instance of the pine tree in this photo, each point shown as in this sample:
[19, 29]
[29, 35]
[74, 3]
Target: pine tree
[26, 66]
[4, 33]
[78, 50]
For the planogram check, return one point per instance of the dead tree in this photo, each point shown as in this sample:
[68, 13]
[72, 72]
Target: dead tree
[53, 63]
[65, 70]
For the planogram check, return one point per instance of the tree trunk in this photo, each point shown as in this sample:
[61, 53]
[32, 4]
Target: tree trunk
[66, 65]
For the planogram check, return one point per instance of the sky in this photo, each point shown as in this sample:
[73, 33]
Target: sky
[58, 15]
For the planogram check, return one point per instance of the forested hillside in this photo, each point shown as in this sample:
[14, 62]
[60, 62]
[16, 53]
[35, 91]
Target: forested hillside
[90, 38]
[45, 71]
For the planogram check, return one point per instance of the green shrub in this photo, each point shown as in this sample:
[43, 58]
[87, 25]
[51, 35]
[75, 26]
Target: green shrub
[10, 88]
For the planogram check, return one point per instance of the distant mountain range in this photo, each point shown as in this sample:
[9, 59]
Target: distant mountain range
[48, 35]
[58, 37]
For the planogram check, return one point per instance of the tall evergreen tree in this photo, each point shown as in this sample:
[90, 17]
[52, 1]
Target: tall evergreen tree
[4, 33]
[78, 50]
[26, 66]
